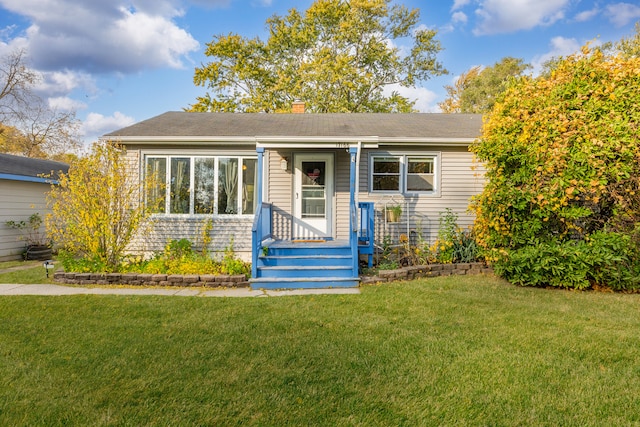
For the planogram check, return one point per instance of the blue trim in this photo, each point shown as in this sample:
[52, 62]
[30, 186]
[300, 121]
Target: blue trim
[366, 231]
[257, 231]
[25, 178]
[353, 230]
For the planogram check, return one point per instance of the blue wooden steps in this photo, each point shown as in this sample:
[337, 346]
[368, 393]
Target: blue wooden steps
[297, 265]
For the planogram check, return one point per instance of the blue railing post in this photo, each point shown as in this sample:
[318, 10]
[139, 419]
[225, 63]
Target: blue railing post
[257, 228]
[366, 232]
[353, 229]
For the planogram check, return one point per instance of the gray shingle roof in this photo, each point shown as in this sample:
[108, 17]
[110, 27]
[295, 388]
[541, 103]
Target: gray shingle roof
[424, 125]
[26, 166]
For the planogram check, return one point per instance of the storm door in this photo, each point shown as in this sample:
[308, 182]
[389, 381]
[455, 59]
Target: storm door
[313, 196]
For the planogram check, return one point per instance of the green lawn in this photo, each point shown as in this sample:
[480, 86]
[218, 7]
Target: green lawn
[25, 272]
[446, 351]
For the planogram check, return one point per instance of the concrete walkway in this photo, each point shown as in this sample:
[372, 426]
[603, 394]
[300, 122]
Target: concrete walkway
[17, 289]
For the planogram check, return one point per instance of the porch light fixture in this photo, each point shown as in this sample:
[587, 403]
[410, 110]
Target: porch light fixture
[283, 164]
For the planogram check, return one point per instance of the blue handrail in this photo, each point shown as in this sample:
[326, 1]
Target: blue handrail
[261, 230]
[366, 231]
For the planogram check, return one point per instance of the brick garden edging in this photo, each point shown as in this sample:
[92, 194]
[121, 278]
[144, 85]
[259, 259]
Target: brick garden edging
[430, 270]
[135, 279]
[241, 281]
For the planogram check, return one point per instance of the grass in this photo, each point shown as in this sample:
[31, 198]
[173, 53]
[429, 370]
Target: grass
[25, 272]
[445, 351]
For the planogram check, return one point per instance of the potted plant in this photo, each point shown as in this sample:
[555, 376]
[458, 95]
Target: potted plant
[38, 248]
[393, 212]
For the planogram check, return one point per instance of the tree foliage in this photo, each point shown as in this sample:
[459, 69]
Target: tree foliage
[452, 104]
[96, 208]
[562, 156]
[28, 126]
[338, 56]
[476, 90]
[630, 46]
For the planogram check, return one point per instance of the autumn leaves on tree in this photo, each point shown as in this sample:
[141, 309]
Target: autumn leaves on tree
[561, 204]
[337, 56]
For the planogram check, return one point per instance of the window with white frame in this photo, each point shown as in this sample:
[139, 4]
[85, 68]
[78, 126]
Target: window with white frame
[403, 173]
[201, 185]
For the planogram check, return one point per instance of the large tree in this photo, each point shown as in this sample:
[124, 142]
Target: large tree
[452, 104]
[338, 56]
[562, 152]
[16, 84]
[28, 126]
[477, 89]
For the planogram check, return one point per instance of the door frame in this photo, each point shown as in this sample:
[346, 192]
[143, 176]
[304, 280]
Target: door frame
[298, 221]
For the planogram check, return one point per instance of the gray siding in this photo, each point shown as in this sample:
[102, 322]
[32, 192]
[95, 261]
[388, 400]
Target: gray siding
[458, 181]
[19, 201]
[162, 229]
[279, 192]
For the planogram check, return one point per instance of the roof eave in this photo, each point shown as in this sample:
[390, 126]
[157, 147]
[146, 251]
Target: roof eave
[274, 141]
[196, 140]
[429, 141]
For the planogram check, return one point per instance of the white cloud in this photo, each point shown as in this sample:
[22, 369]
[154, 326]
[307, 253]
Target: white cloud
[506, 16]
[59, 83]
[103, 36]
[620, 14]
[96, 124]
[459, 17]
[65, 103]
[560, 46]
[459, 4]
[425, 99]
[587, 15]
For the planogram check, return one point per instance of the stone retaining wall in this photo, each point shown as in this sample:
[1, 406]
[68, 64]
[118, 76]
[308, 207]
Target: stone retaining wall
[431, 270]
[240, 280]
[135, 279]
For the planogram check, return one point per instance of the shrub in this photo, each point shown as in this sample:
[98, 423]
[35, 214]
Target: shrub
[563, 174]
[605, 259]
[95, 207]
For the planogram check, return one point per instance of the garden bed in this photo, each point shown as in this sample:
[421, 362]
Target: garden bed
[241, 280]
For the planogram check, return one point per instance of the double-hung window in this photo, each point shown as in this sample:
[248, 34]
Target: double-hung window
[201, 185]
[403, 173]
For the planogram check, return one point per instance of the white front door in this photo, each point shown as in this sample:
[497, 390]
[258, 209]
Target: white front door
[313, 196]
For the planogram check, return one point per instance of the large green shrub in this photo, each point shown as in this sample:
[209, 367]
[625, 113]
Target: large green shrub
[604, 258]
[562, 156]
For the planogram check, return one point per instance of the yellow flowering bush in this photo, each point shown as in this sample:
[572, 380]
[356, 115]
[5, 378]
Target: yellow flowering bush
[562, 157]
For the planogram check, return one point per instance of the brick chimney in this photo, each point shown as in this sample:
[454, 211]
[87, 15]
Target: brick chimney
[297, 107]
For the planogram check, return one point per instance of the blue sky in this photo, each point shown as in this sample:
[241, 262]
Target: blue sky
[116, 62]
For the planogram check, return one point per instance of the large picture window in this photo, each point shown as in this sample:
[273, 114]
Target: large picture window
[403, 173]
[202, 185]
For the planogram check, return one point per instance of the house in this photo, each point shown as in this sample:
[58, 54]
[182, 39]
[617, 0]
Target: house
[285, 188]
[23, 189]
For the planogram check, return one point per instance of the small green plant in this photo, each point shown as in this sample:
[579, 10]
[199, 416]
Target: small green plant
[389, 256]
[231, 264]
[205, 235]
[453, 244]
[87, 264]
[178, 248]
[31, 230]
[393, 212]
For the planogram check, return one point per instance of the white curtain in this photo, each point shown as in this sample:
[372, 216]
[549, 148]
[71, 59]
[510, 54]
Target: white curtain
[231, 185]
